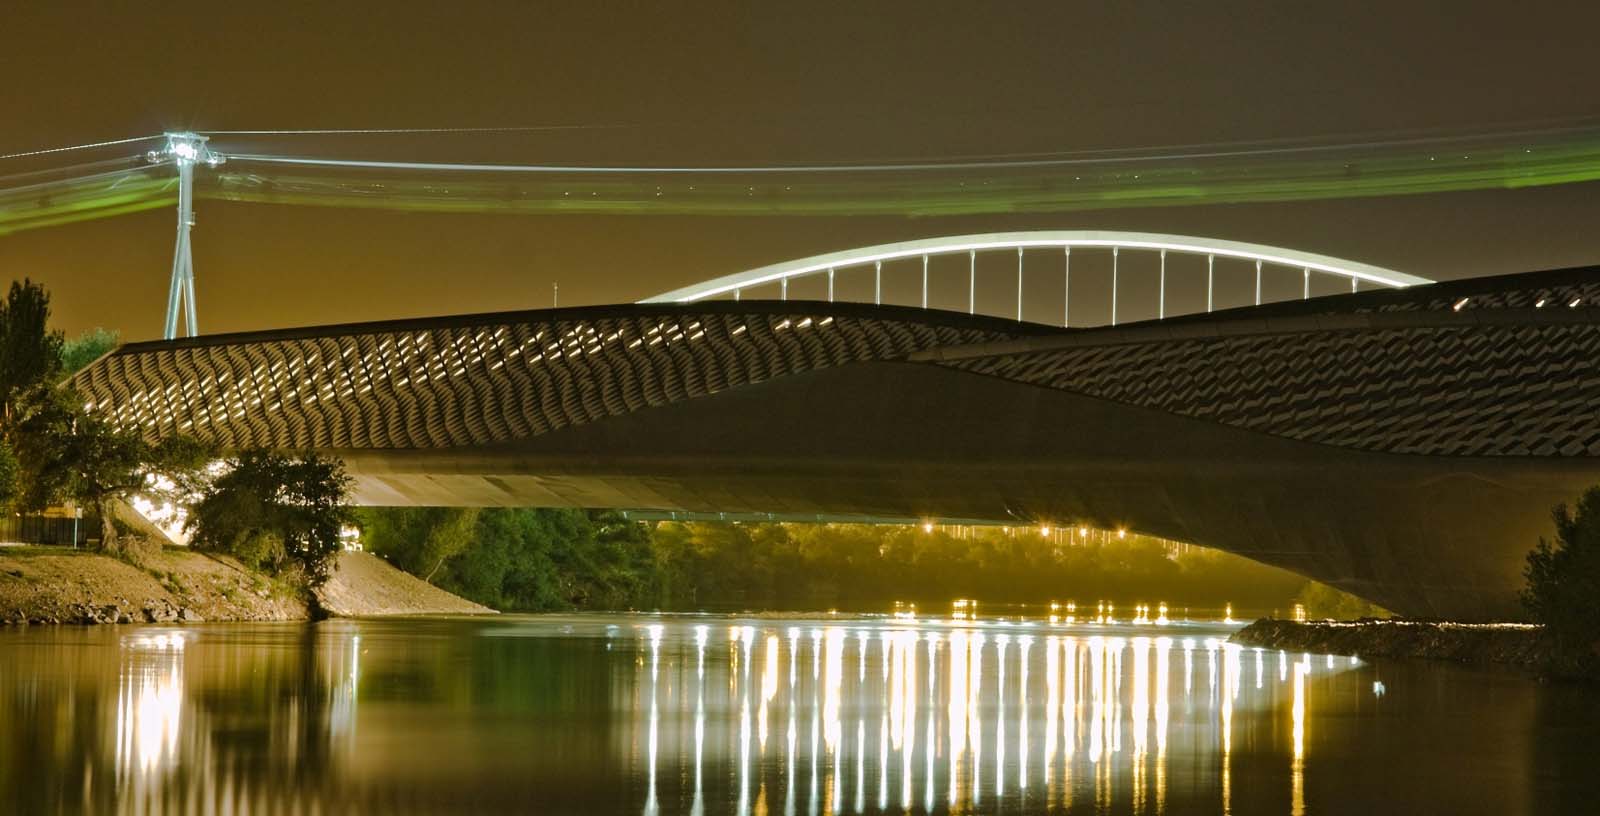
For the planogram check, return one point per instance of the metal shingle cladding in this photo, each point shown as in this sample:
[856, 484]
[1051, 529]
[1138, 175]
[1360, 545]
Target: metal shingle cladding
[472, 384]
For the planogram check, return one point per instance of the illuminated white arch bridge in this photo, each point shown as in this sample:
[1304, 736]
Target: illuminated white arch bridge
[1267, 259]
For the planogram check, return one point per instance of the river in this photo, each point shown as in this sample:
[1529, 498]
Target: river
[646, 714]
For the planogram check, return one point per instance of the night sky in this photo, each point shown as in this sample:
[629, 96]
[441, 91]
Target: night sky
[778, 83]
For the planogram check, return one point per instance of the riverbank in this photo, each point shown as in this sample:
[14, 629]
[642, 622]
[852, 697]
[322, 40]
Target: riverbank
[52, 585]
[1505, 644]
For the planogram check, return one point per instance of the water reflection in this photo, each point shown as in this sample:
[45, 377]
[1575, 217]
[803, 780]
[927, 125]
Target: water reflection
[944, 717]
[149, 708]
[640, 715]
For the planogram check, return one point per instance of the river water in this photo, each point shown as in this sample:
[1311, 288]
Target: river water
[696, 714]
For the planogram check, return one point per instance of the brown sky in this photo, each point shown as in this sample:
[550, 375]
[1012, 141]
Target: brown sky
[696, 83]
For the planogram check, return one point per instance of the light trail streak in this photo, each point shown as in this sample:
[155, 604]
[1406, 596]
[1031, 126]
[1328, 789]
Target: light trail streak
[1048, 183]
[69, 148]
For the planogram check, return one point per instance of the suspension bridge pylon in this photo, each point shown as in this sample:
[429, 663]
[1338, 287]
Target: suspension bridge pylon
[184, 150]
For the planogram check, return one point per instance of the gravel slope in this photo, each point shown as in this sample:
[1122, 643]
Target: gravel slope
[55, 585]
[366, 585]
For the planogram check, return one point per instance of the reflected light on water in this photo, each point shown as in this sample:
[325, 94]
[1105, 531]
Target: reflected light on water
[891, 716]
[1298, 792]
[149, 705]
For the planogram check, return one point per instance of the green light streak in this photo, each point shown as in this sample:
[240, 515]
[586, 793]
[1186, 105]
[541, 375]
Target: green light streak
[1508, 162]
[1107, 185]
[72, 201]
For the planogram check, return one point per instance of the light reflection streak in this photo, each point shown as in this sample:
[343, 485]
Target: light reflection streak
[149, 708]
[700, 635]
[883, 760]
[957, 711]
[833, 728]
[346, 702]
[1188, 666]
[1094, 689]
[794, 655]
[1163, 659]
[908, 652]
[1023, 645]
[744, 753]
[651, 804]
[1141, 718]
[816, 710]
[1297, 800]
[929, 746]
[862, 637]
[1229, 679]
[974, 726]
[1052, 707]
[789, 781]
[861, 757]
[1100, 706]
[1000, 716]
[769, 687]
[816, 654]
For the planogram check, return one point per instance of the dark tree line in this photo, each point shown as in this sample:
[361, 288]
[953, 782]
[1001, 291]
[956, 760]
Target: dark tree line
[538, 560]
[1563, 590]
[520, 559]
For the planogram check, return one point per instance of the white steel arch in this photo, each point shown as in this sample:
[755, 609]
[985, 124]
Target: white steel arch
[1067, 240]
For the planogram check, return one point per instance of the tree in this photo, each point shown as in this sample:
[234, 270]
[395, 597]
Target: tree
[419, 540]
[10, 478]
[67, 453]
[55, 448]
[30, 354]
[79, 352]
[275, 512]
[1564, 580]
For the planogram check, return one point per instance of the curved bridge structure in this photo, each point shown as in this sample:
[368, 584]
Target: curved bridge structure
[1405, 445]
[1265, 258]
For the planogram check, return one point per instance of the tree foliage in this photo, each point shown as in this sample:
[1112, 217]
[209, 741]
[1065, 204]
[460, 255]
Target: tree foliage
[279, 513]
[705, 565]
[521, 559]
[10, 477]
[1563, 590]
[567, 559]
[80, 351]
[30, 353]
[56, 449]
[67, 453]
[420, 539]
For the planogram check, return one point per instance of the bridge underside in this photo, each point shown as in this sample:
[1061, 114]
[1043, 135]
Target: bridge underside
[1404, 446]
[1417, 536]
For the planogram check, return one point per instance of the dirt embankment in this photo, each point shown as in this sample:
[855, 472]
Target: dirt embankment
[52, 585]
[366, 585]
[1510, 644]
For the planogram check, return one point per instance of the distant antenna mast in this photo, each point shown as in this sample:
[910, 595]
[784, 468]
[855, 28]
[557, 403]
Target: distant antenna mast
[184, 150]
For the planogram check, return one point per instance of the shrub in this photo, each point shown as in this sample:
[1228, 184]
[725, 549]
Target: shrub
[1563, 591]
[277, 513]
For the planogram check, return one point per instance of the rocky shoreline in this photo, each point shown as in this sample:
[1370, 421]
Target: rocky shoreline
[1506, 644]
[121, 612]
